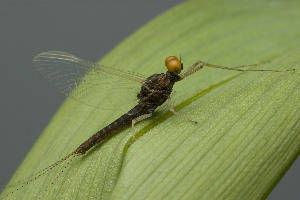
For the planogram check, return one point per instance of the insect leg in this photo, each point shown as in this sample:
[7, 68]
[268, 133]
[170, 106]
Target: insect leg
[136, 120]
[176, 113]
[246, 70]
[253, 65]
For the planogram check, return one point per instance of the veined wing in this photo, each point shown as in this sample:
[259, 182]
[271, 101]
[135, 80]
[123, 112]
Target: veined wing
[87, 82]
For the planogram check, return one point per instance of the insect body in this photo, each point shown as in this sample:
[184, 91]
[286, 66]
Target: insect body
[78, 78]
[154, 92]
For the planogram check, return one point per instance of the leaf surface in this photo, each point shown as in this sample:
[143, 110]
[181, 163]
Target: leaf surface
[248, 130]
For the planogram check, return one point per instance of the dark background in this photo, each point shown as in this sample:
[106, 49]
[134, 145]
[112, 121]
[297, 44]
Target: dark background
[88, 29]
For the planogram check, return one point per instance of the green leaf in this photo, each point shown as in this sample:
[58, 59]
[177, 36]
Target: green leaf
[248, 130]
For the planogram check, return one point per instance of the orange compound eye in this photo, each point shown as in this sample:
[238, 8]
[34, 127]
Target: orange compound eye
[173, 64]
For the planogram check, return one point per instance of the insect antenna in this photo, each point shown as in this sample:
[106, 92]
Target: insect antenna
[40, 173]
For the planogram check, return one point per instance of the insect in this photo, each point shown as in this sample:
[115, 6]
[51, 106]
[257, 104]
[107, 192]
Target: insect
[79, 79]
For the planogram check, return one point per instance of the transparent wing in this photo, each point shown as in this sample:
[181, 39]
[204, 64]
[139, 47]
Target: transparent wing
[87, 82]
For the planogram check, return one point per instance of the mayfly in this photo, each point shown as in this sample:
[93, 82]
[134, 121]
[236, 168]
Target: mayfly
[80, 80]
